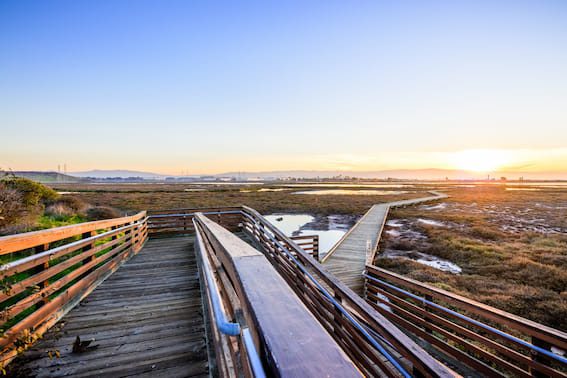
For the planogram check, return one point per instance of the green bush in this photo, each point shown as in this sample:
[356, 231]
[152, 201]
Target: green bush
[11, 206]
[21, 203]
[33, 193]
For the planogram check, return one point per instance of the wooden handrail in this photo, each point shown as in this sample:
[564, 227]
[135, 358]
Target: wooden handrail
[530, 327]
[489, 340]
[421, 361]
[26, 240]
[276, 316]
[60, 276]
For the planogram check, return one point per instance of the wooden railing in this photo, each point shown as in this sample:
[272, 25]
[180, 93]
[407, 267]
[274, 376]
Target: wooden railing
[178, 222]
[257, 302]
[50, 271]
[365, 335]
[488, 340]
[222, 305]
[309, 243]
[47, 272]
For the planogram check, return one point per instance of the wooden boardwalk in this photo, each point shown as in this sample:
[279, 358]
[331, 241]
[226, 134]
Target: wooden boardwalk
[146, 320]
[348, 258]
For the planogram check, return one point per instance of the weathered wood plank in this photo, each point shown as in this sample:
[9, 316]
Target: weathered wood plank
[145, 321]
[278, 315]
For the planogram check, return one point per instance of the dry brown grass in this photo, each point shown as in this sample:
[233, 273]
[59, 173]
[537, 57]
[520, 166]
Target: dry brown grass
[138, 197]
[520, 271]
[524, 273]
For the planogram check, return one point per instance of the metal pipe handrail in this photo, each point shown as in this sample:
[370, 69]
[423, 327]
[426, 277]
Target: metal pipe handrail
[224, 325]
[349, 317]
[472, 321]
[253, 356]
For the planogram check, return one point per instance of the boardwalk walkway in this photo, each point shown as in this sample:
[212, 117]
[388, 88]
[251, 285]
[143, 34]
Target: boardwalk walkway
[348, 258]
[146, 320]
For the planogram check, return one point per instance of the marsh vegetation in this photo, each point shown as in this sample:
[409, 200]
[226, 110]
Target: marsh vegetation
[510, 246]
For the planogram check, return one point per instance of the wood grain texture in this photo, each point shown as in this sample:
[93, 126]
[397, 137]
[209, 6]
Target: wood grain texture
[146, 320]
[18, 242]
[295, 343]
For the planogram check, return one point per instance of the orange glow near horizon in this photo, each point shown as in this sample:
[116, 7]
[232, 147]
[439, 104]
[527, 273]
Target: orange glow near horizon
[481, 160]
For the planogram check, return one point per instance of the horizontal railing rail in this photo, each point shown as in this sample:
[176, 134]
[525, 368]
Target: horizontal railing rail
[340, 310]
[176, 222]
[52, 270]
[224, 328]
[275, 316]
[27, 240]
[309, 243]
[488, 340]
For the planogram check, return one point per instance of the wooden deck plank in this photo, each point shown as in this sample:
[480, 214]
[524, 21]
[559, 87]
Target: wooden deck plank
[347, 259]
[146, 320]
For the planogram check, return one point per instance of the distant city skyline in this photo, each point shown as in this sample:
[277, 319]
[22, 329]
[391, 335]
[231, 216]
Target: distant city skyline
[206, 88]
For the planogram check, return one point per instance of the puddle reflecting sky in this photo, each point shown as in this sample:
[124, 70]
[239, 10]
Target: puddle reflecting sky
[353, 192]
[293, 225]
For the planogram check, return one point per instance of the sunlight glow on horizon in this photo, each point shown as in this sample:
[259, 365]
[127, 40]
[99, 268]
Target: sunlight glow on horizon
[482, 160]
[534, 161]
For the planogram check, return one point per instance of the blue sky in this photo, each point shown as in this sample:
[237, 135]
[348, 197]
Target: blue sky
[173, 86]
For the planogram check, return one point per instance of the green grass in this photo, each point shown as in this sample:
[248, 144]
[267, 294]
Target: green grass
[50, 221]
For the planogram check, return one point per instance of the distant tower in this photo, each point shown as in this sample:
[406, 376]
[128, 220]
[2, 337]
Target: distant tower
[58, 168]
[65, 168]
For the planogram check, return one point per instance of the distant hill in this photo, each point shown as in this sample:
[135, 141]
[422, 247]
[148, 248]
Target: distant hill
[403, 174]
[44, 177]
[400, 174]
[118, 173]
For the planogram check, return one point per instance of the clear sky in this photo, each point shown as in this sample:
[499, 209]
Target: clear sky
[208, 86]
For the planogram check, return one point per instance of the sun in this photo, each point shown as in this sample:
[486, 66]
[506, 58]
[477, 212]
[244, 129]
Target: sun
[481, 160]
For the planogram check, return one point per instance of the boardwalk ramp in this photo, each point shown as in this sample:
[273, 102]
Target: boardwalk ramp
[144, 320]
[348, 258]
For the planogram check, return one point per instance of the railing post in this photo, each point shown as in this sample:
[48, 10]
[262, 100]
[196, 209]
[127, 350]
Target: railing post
[41, 268]
[426, 308]
[536, 357]
[337, 315]
[316, 247]
[135, 236]
[88, 247]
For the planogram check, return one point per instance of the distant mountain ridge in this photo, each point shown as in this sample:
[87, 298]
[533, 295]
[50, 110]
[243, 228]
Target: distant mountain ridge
[118, 173]
[405, 174]
[401, 174]
[44, 177]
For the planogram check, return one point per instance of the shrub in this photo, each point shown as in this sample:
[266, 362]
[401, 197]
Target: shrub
[102, 212]
[59, 210]
[74, 203]
[21, 203]
[33, 193]
[11, 206]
